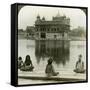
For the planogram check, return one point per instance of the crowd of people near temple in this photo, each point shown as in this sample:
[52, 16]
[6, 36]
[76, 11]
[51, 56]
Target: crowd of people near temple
[27, 65]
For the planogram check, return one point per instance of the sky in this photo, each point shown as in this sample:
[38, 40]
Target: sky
[28, 14]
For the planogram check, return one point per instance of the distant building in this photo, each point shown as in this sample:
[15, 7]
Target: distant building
[21, 33]
[78, 33]
[57, 28]
[30, 31]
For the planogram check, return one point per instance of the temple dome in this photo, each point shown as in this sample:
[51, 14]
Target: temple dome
[43, 18]
[38, 16]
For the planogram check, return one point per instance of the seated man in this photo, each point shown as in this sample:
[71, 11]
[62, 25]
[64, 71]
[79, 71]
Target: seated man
[79, 65]
[50, 69]
[20, 62]
[27, 66]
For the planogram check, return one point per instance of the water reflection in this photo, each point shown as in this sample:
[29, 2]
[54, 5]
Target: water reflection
[59, 50]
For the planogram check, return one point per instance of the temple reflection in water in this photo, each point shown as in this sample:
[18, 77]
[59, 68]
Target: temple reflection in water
[59, 50]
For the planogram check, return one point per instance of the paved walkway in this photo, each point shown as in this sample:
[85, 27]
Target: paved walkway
[72, 77]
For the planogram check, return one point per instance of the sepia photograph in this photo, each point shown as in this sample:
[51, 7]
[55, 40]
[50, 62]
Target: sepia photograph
[52, 44]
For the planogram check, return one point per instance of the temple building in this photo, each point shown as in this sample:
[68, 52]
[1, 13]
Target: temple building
[55, 29]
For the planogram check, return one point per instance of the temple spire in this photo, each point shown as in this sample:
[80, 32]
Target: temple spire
[38, 16]
[58, 15]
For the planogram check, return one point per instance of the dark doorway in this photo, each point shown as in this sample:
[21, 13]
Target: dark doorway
[43, 35]
[55, 36]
